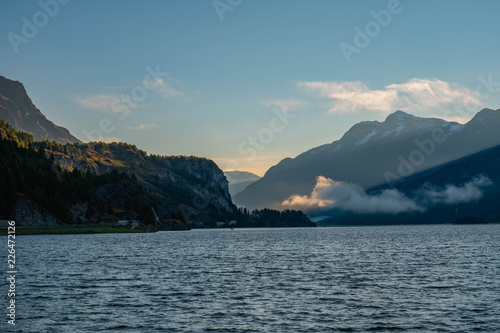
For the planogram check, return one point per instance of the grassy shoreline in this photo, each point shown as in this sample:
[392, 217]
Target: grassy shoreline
[72, 230]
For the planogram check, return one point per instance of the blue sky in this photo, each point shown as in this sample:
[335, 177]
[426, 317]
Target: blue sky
[268, 81]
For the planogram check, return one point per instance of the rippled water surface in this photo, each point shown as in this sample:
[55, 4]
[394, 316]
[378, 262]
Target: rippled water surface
[408, 278]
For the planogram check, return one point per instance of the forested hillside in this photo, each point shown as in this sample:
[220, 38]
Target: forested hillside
[70, 196]
[48, 183]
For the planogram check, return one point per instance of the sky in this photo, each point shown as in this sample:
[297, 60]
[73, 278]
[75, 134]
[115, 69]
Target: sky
[248, 82]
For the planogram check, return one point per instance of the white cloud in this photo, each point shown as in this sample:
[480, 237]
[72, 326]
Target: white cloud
[142, 127]
[330, 194]
[284, 105]
[102, 102]
[106, 102]
[452, 195]
[166, 88]
[415, 95]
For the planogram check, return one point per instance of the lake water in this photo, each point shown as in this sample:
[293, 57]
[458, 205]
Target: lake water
[382, 279]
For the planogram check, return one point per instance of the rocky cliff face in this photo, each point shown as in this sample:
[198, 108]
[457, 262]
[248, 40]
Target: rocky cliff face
[210, 183]
[194, 184]
[17, 109]
[28, 213]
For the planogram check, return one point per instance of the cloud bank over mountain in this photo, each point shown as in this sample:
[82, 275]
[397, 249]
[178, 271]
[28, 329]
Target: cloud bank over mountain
[329, 194]
[452, 195]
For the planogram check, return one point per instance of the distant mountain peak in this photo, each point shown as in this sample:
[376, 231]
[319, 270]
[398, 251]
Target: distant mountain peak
[397, 123]
[239, 180]
[488, 110]
[487, 114]
[486, 118]
[240, 176]
[400, 116]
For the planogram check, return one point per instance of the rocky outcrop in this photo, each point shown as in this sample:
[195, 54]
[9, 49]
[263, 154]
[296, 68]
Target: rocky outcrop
[169, 184]
[200, 176]
[82, 213]
[198, 185]
[195, 184]
[28, 213]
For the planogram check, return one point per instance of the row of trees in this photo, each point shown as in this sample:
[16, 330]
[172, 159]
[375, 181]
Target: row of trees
[23, 139]
[270, 218]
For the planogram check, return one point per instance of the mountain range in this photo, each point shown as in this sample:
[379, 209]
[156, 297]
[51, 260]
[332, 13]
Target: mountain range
[373, 155]
[405, 169]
